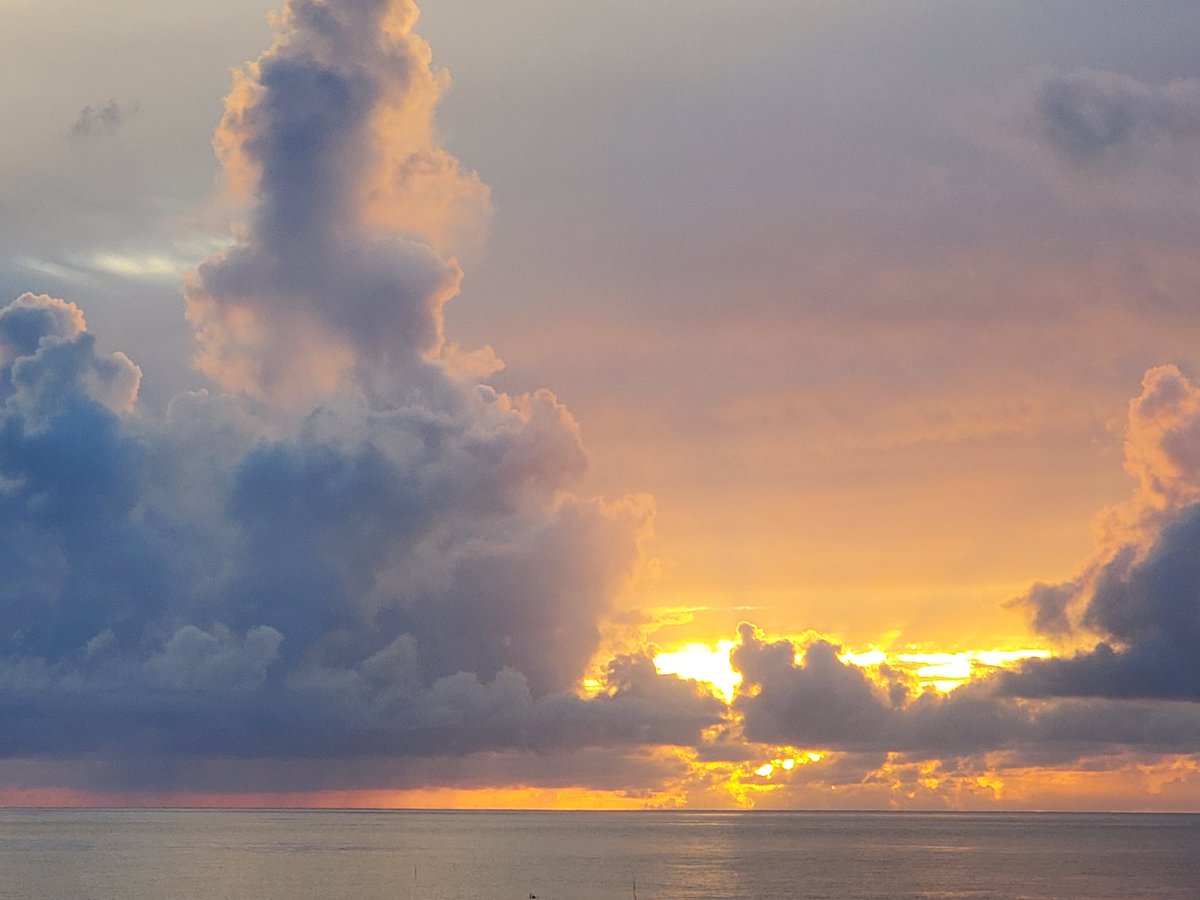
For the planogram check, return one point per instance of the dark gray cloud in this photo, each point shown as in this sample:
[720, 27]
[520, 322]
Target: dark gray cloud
[1096, 118]
[824, 703]
[1141, 593]
[1149, 610]
[822, 699]
[629, 770]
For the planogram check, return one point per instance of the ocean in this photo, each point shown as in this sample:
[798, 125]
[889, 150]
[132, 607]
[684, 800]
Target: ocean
[324, 855]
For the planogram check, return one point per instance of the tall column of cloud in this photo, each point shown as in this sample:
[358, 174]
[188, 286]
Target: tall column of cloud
[354, 552]
[329, 137]
[424, 509]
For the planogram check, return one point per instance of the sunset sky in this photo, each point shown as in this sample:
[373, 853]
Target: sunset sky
[603, 405]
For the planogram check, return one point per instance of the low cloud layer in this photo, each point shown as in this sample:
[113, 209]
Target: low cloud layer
[805, 696]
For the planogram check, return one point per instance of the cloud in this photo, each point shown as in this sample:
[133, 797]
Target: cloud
[353, 550]
[1141, 592]
[1092, 119]
[103, 119]
[1100, 136]
[821, 702]
[349, 563]
[1162, 442]
[1148, 610]
[400, 581]
[330, 136]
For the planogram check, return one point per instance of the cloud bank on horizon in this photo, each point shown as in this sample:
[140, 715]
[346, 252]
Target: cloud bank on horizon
[354, 565]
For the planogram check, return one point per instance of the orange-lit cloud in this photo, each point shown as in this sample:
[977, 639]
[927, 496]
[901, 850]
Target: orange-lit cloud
[338, 274]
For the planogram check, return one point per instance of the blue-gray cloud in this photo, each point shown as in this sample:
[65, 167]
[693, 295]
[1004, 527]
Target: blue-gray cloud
[1141, 594]
[403, 581]
[1149, 611]
[358, 551]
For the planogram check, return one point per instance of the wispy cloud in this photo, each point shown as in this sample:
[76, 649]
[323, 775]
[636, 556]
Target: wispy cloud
[1101, 137]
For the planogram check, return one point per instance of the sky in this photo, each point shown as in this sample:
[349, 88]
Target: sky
[624, 405]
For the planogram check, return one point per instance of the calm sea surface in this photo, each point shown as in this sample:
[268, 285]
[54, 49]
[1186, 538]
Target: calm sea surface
[139, 855]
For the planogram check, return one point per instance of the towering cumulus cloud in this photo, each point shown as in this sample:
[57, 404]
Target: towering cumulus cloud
[330, 134]
[352, 549]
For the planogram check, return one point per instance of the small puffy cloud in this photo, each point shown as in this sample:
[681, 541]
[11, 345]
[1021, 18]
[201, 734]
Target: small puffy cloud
[196, 660]
[105, 118]
[1162, 441]
[1050, 606]
[47, 357]
[820, 701]
[32, 318]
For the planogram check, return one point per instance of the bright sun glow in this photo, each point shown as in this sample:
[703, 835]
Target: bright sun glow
[704, 663]
[788, 763]
[943, 671]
